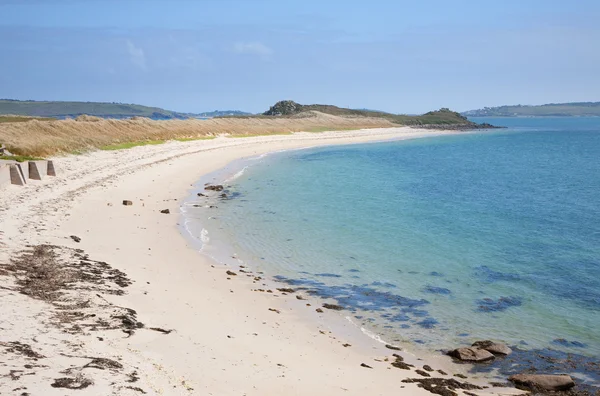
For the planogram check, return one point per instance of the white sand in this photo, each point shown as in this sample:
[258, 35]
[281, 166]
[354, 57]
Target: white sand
[226, 341]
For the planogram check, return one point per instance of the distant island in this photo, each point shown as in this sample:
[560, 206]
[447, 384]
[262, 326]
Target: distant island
[574, 109]
[219, 113]
[56, 109]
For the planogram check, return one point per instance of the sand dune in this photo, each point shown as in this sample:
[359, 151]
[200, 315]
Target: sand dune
[44, 138]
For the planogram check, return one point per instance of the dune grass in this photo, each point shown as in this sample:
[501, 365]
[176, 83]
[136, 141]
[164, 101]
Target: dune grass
[47, 138]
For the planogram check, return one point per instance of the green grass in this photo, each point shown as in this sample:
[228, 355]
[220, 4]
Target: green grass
[4, 118]
[191, 139]
[327, 129]
[128, 145]
[260, 134]
[19, 158]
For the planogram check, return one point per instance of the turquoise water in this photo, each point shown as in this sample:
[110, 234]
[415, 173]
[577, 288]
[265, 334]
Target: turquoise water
[436, 241]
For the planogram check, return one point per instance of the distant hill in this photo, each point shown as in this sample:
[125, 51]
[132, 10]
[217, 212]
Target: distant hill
[74, 109]
[219, 113]
[575, 109]
[444, 117]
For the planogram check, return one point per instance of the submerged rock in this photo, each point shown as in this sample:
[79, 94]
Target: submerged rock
[216, 187]
[543, 381]
[496, 348]
[333, 306]
[471, 354]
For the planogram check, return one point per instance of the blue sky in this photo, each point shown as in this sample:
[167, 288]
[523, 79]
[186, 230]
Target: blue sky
[397, 56]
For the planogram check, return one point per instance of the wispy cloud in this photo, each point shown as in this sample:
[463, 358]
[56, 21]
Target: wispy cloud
[252, 48]
[136, 55]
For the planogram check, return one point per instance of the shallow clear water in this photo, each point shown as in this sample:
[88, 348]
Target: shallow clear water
[438, 240]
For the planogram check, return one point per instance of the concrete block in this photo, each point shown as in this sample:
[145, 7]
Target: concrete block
[4, 175]
[24, 169]
[38, 169]
[50, 170]
[16, 175]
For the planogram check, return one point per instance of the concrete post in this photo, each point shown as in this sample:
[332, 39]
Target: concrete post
[16, 175]
[51, 171]
[38, 169]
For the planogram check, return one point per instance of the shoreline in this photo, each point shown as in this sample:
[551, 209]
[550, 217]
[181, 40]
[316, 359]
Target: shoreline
[223, 337]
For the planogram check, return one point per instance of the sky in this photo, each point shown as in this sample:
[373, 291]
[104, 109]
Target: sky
[397, 56]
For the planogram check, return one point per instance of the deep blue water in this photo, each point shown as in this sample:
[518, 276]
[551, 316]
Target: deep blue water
[438, 241]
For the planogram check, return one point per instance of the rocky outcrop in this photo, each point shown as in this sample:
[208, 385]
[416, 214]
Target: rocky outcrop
[283, 108]
[496, 348]
[543, 382]
[471, 354]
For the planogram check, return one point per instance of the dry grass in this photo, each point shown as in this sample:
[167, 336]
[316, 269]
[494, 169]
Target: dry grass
[46, 138]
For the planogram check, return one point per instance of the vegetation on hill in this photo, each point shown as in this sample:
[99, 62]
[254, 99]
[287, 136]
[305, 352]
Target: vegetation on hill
[439, 118]
[74, 109]
[576, 109]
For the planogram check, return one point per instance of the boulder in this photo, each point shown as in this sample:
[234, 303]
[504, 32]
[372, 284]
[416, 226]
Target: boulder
[127, 202]
[544, 382]
[216, 187]
[471, 354]
[165, 211]
[496, 348]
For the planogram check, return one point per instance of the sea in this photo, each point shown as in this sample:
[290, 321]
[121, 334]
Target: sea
[434, 242]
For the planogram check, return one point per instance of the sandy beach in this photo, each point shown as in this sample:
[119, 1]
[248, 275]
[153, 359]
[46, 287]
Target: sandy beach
[152, 315]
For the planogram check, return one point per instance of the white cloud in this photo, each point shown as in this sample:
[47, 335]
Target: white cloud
[136, 55]
[252, 48]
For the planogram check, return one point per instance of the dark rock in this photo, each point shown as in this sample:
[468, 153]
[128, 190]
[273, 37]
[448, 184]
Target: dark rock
[216, 187]
[274, 310]
[471, 354]
[160, 330]
[333, 306]
[501, 304]
[231, 273]
[365, 365]
[566, 343]
[201, 195]
[494, 347]
[78, 382]
[427, 368]
[283, 108]
[543, 382]
[104, 363]
[441, 386]
[224, 196]
[319, 310]
[299, 297]
[127, 203]
[165, 211]
[399, 363]
[393, 348]
[76, 238]
[460, 376]
[423, 373]
[442, 372]
[286, 290]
